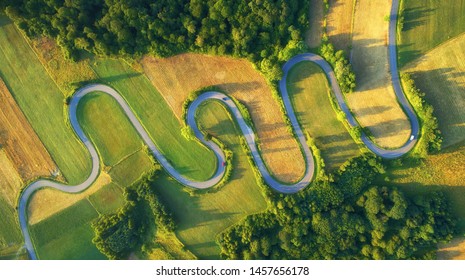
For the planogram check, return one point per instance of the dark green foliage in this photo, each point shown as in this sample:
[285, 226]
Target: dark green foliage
[344, 74]
[266, 32]
[117, 235]
[332, 220]
[431, 138]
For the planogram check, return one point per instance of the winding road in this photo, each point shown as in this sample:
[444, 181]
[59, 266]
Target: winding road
[247, 132]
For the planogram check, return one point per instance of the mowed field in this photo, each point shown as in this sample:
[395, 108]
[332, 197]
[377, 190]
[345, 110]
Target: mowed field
[316, 16]
[310, 95]
[180, 75]
[20, 142]
[374, 103]
[202, 216]
[41, 102]
[339, 23]
[440, 74]
[428, 24]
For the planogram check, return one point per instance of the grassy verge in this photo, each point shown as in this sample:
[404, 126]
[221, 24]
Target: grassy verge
[41, 101]
[309, 90]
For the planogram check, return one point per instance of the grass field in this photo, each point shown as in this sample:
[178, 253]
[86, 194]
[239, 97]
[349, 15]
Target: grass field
[374, 102]
[20, 142]
[309, 92]
[67, 234]
[428, 24]
[97, 112]
[10, 181]
[65, 73]
[158, 119]
[316, 16]
[443, 172]
[339, 23]
[177, 76]
[201, 217]
[47, 202]
[30, 85]
[107, 199]
[440, 75]
[10, 234]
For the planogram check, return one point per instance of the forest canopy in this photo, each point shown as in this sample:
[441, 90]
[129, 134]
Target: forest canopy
[264, 31]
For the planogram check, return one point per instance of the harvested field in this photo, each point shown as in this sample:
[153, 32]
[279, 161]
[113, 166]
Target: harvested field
[316, 16]
[20, 142]
[48, 202]
[10, 181]
[440, 75]
[180, 75]
[339, 23]
[374, 102]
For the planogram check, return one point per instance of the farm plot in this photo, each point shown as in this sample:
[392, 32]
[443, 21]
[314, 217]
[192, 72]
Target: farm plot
[339, 23]
[177, 76]
[20, 142]
[41, 102]
[374, 103]
[426, 24]
[310, 96]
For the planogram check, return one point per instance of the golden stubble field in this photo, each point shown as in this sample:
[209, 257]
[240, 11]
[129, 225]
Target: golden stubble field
[374, 102]
[339, 23]
[177, 76]
[23, 155]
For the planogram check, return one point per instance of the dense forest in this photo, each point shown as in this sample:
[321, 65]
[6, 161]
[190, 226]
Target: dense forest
[345, 218]
[264, 31]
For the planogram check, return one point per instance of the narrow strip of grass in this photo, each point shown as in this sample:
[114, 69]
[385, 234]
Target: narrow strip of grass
[41, 101]
[309, 92]
[188, 157]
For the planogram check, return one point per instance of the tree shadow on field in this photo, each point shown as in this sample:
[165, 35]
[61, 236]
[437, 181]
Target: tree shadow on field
[106, 80]
[415, 17]
[4, 20]
[444, 89]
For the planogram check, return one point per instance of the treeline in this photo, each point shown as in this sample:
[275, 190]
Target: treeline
[431, 138]
[350, 218]
[264, 31]
[342, 68]
[131, 228]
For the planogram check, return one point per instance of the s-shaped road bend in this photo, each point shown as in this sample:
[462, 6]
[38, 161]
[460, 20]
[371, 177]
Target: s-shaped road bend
[247, 132]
